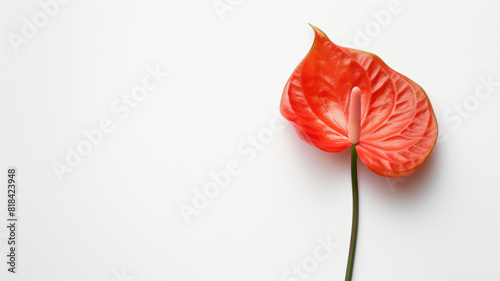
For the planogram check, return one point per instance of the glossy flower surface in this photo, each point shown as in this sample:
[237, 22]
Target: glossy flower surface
[396, 125]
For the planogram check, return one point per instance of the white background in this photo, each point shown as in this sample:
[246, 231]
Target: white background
[118, 211]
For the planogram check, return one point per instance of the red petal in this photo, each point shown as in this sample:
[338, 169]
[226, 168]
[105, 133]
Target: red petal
[317, 130]
[398, 125]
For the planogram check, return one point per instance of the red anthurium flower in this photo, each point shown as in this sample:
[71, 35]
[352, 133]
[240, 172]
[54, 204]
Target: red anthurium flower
[339, 97]
[394, 125]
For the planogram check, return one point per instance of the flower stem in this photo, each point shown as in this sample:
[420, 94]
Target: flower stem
[355, 213]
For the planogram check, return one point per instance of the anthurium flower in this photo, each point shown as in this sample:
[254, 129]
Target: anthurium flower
[340, 97]
[395, 128]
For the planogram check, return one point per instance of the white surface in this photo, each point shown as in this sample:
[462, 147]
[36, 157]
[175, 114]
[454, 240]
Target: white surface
[118, 211]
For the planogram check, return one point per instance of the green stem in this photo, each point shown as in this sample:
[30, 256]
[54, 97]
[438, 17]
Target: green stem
[355, 213]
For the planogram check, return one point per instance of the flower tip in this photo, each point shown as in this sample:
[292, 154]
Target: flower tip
[317, 31]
